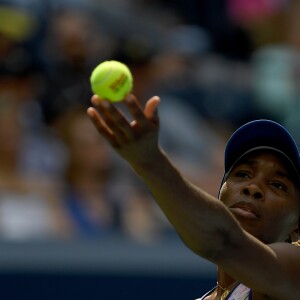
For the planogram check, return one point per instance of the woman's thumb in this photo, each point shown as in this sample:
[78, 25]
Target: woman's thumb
[151, 108]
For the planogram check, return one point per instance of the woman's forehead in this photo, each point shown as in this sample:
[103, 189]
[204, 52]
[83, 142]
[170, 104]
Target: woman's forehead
[276, 158]
[265, 155]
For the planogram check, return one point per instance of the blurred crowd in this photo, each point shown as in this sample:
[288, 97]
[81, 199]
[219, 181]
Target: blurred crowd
[215, 65]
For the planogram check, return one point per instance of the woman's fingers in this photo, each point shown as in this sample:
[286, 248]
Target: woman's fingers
[114, 126]
[101, 126]
[151, 108]
[143, 119]
[116, 121]
[110, 122]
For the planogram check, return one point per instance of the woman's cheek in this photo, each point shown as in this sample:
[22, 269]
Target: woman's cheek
[223, 192]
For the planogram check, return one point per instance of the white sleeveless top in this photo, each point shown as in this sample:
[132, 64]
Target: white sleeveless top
[240, 292]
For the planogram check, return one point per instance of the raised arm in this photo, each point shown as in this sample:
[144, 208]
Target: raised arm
[195, 215]
[203, 222]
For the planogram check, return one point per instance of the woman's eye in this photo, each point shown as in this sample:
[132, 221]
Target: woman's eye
[243, 174]
[279, 185]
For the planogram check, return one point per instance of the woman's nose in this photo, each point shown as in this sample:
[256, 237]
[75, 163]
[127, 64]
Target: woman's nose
[253, 190]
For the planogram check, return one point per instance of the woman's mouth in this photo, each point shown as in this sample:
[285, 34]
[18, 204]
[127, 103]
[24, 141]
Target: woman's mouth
[246, 210]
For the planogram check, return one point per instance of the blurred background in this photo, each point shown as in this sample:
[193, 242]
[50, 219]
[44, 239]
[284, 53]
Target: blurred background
[75, 221]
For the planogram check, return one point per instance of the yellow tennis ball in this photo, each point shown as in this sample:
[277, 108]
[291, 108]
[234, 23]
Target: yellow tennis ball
[111, 80]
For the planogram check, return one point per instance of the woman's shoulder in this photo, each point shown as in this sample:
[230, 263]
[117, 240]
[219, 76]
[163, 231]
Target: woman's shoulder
[205, 295]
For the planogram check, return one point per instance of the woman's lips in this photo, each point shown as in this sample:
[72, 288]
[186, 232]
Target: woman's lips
[246, 210]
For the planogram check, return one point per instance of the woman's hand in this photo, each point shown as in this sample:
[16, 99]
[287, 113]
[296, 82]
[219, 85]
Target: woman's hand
[137, 140]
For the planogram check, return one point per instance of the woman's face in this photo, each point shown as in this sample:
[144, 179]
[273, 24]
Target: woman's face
[263, 197]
